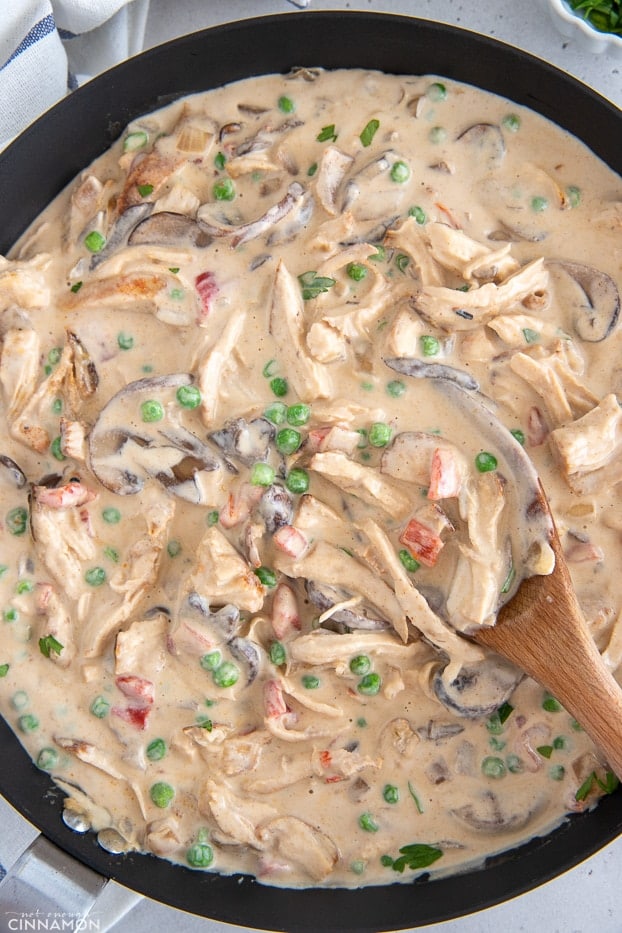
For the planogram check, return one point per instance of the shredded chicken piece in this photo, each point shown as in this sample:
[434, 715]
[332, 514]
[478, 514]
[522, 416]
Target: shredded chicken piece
[589, 449]
[553, 375]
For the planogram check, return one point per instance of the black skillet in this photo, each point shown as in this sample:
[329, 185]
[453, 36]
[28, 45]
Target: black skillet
[45, 158]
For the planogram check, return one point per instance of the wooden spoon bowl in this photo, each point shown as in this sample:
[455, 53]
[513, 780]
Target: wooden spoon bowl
[543, 631]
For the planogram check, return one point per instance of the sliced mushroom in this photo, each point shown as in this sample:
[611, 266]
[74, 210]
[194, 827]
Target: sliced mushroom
[123, 457]
[476, 690]
[250, 231]
[411, 366]
[246, 441]
[329, 599]
[487, 814]
[596, 309]
[121, 233]
[12, 472]
[276, 508]
[166, 228]
[244, 650]
[485, 144]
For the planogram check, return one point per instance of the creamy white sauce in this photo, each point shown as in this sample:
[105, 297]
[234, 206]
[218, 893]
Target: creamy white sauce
[308, 228]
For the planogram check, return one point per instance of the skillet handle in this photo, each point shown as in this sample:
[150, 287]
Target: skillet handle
[48, 884]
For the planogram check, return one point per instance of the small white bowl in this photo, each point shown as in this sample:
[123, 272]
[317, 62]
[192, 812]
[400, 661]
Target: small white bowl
[573, 26]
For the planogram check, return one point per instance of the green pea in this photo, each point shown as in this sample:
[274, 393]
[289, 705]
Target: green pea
[57, 406]
[224, 190]
[400, 172]
[28, 723]
[111, 515]
[95, 576]
[436, 92]
[518, 435]
[485, 462]
[368, 823]
[200, 855]
[125, 341]
[161, 794]
[279, 386]
[380, 255]
[266, 576]
[408, 561]
[156, 750]
[356, 270]
[100, 707]
[219, 161]
[574, 195]
[402, 261]
[514, 764]
[212, 518]
[11, 614]
[391, 793]
[286, 104]
[494, 724]
[278, 654]
[188, 396]
[4, 669]
[396, 388]
[511, 122]
[297, 480]
[173, 548]
[211, 661]
[226, 675]
[539, 204]
[288, 441]
[276, 413]
[379, 434]
[361, 722]
[310, 682]
[20, 700]
[151, 410]
[95, 241]
[560, 742]
[370, 684]
[360, 664]
[438, 134]
[557, 772]
[430, 345]
[358, 866]
[262, 474]
[145, 190]
[493, 767]
[418, 213]
[47, 759]
[16, 521]
[298, 414]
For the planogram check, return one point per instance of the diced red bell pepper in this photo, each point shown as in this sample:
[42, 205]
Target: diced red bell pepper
[422, 542]
[445, 475]
[136, 716]
[207, 289]
[137, 688]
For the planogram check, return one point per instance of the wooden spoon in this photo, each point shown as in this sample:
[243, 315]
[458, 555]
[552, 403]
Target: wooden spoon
[541, 628]
[543, 631]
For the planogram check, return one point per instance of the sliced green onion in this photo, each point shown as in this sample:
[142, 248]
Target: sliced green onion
[518, 435]
[49, 644]
[286, 104]
[327, 134]
[145, 190]
[219, 160]
[266, 576]
[369, 132]
[134, 141]
[551, 705]
[56, 450]
[4, 669]
[436, 92]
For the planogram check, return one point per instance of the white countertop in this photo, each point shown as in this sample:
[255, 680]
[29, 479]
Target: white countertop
[587, 899]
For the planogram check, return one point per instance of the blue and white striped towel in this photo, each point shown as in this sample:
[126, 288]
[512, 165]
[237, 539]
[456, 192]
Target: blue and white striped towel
[47, 47]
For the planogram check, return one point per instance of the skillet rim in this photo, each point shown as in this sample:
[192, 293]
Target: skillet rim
[103, 110]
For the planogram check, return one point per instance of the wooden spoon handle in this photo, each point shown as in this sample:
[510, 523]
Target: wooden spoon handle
[547, 636]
